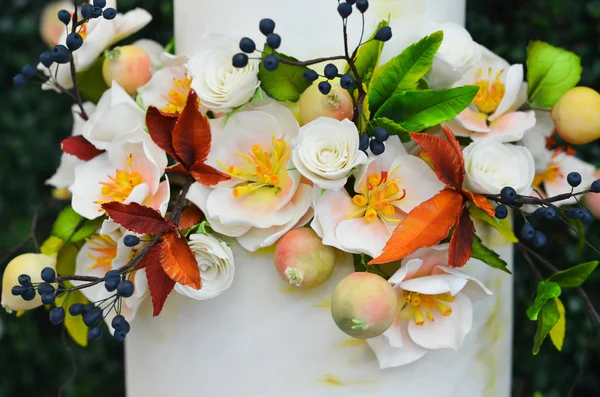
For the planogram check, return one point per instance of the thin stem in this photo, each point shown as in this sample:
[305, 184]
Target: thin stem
[14, 250]
[312, 61]
[529, 261]
[579, 235]
[73, 71]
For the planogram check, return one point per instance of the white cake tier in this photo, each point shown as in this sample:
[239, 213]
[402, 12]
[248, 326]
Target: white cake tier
[262, 338]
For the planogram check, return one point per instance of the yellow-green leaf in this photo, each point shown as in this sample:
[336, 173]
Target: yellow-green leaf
[503, 226]
[367, 57]
[547, 319]
[74, 324]
[557, 333]
[51, 245]
[65, 262]
[546, 292]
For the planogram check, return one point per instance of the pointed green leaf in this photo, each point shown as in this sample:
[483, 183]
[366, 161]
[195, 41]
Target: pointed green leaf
[361, 265]
[551, 71]
[74, 324]
[487, 256]
[419, 110]
[546, 291]
[404, 71]
[557, 333]
[503, 226]
[367, 57]
[286, 83]
[73, 227]
[574, 276]
[392, 128]
[547, 320]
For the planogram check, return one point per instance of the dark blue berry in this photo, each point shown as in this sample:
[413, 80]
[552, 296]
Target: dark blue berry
[94, 12]
[539, 240]
[46, 59]
[20, 81]
[587, 218]
[380, 134]
[64, 16]
[501, 212]
[310, 75]
[266, 26]
[383, 34]
[76, 309]
[595, 188]
[344, 9]
[271, 62]
[580, 213]
[120, 335]
[118, 322]
[508, 194]
[29, 294]
[48, 299]
[363, 142]
[45, 288]
[111, 284]
[347, 81]
[125, 289]
[18, 290]
[574, 179]
[571, 213]
[325, 87]
[57, 315]
[112, 274]
[48, 275]
[92, 317]
[100, 3]
[85, 10]
[74, 41]
[550, 213]
[362, 5]
[351, 2]
[540, 212]
[331, 71]
[95, 333]
[131, 240]
[247, 45]
[126, 327]
[274, 40]
[109, 13]
[61, 54]
[527, 232]
[377, 147]
[239, 61]
[29, 72]
[88, 307]
[24, 280]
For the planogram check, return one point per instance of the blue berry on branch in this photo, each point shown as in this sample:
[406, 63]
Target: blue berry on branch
[380, 134]
[324, 87]
[120, 335]
[363, 142]
[61, 54]
[508, 194]
[247, 45]
[74, 41]
[595, 188]
[48, 275]
[100, 3]
[383, 34]
[18, 290]
[574, 179]
[362, 5]
[273, 40]
[344, 9]
[112, 274]
[57, 315]
[29, 294]
[271, 62]
[85, 10]
[118, 322]
[111, 284]
[331, 71]
[95, 333]
[24, 280]
[45, 288]
[266, 26]
[125, 289]
[92, 317]
[20, 81]
[527, 232]
[76, 309]
[95, 12]
[501, 212]
[310, 76]
[109, 14]
[64, 16]
[351, 2]
[587, 218]
[347, 81]
[550, 213]
[46, 59]
[377, 147]
[539, 239]
[131, 240]
[29, 72]
[48, 299]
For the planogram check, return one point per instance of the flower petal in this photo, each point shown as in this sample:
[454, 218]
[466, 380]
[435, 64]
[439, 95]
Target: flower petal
[473, 121]
[435, 284]
[512, 90]
[358, 235]
[510, 127]
[395, 348]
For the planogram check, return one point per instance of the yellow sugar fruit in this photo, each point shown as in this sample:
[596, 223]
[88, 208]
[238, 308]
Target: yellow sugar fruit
[577, 115]
[337, 104]
[129, 66]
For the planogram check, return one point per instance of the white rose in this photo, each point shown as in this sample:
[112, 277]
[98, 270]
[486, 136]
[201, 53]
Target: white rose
[215, 260]
[221, 87]
[490, 166]
[326, 151]
[457, 54]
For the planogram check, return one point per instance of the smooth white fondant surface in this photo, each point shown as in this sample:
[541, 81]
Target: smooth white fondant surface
[262, 338]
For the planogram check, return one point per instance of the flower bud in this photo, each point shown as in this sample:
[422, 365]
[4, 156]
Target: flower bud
[302, 259]
[337, 104]
[577, 116]
[32, 265]
[130, 66]
[364, 305]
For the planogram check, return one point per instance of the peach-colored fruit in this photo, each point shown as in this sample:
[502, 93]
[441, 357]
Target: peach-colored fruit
[592, 200]
[577, 116]
[129, 66]
[337, 104]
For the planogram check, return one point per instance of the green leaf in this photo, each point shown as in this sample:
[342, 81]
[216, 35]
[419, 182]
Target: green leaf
[557, 333]
[73, 227]
[546, 291]
[91, 81]
[286, 83]
[170, 48]
[392, 128]
[404, 71]
[74, 324]
[419, 110]
[547, 319]
[67, 257]
[574, 276]
[551, 71]
[501, 225]
[367, 57]
[51, 246]
[487, 256]
[360, 265]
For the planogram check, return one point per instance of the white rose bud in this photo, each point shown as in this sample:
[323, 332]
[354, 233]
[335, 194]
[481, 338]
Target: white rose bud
[32, 265]
[221, 87]
[490, 166]
[215, 260]
[457, 54]
[326, 151]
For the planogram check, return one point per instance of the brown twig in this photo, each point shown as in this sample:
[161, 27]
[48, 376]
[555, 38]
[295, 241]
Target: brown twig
[73, 71]
[529, 261]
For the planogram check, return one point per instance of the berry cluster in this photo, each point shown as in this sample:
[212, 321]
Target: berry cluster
[247, 45]
[376, 142]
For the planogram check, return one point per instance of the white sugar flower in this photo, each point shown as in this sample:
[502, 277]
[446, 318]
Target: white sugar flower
[215, 260]
[326, 151]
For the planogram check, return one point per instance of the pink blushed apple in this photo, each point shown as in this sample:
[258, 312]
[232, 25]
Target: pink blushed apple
[130, 66]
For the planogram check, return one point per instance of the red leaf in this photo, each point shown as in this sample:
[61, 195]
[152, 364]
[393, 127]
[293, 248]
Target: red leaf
[448, 166]
[138, 218]
[179, 262]
[191, 216]
[457, 150]
[425, 226]
[207, 175]
[461, 242]
[480, 202]
[159, 283]
[177, 169]
[191, 135]
[80, 147]
[160, 126]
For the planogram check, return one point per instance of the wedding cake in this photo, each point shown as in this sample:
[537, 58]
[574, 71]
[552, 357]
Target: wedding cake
[263, 338]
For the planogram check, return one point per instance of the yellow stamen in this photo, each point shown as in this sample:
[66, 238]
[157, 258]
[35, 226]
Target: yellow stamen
[360, 200]
[119, 187]
[491, 92]
[177, 96]
[370, 215]
[419, 303]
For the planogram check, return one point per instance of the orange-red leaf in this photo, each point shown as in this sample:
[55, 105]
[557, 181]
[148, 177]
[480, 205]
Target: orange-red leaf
[159, 283]
[457, 150]
[80, 147]
[179, 262]
[137, 218]
[207, 175]
[160, 126]
[425, 226]
[448, 166]
[191, 135]
[191, 216]
[461, 242]
[480, 202]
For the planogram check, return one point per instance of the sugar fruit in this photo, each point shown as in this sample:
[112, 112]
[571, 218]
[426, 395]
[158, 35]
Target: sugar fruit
[577, 116]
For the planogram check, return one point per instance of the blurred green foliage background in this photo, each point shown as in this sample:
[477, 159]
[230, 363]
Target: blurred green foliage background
[33, 358]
